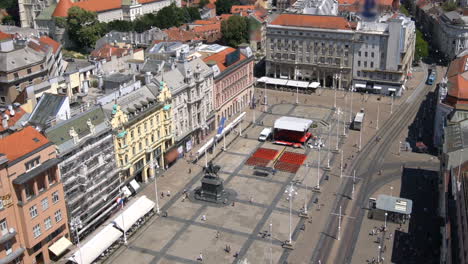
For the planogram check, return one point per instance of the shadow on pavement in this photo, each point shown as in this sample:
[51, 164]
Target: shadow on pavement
[421, 243]
[422, 127]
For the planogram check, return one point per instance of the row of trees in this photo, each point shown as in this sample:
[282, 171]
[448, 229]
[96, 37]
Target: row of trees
[84, 28]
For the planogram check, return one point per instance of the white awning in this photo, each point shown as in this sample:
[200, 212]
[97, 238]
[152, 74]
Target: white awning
[205, 147]
[314, 85]
[262, 79]
[359, 85]
[231, 125]
[135, 185]
[60, 246]
[109, 234]
[277, 81]
[391, 89]
[299, 84]
[376, 87]
[293, 123]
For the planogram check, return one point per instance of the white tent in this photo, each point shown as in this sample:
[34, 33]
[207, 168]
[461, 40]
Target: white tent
[94, 247]
[293, 123]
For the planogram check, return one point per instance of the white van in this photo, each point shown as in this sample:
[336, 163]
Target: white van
[265, 134]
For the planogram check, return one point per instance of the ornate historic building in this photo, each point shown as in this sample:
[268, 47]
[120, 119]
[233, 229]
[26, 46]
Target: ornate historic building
[143, 132]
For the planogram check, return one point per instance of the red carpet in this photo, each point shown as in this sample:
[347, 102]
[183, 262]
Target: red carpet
[265, 153]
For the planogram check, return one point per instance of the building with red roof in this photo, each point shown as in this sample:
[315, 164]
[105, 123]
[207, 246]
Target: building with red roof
[33, 205]
[233, 75]
[107, 10]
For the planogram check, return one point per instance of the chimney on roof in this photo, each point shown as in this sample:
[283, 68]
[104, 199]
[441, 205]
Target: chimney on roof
[12, 112]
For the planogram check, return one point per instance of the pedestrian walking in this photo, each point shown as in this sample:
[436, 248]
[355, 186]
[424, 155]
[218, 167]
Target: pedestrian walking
[168, 193]
[251, 199]
[233, 203]
[200, 257]
[190, 170]
[217, 234]
[203, 218]
[162, 194]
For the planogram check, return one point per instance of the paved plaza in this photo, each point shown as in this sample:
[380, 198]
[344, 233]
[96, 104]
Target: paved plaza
[261, 203]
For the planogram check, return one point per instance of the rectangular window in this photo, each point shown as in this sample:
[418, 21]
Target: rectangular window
[365, 64]
[45, 204]
[372, 54]
[51, 178]
[359, 63]
[48, 223]
[7, 246]
[29, 71]
[16, 75]
[4, 226]
[29, 191]
[33, 211]
[37, 231]
[372, 64]
[32, 164]
[365, 54]
[58, 216]
[55, 197]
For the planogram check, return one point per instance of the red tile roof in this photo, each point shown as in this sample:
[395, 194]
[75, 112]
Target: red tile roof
[13, 119]
[107, 51]
[49, 42]
[21, 143]
[210, 6]
[206, 28]
[220, 58]
[4, 36]
[61, 10]
[326, 22]
[457, 89]
[225, 16]
[457, 66]
[235, 9]
[203, 22]
[177, 34]
[91, 5]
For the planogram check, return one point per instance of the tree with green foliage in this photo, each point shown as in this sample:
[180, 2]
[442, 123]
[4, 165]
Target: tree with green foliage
[84, 28]
[449, 6]
[224, 6]
[120, 25]
[421, 47]
[235, 30]
[11, 7]
[8, 20]
[404, 11]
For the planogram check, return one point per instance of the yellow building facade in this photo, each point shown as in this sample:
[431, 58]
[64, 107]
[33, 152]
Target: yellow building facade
[143, 130]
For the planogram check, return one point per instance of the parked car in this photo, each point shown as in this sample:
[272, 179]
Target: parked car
[265, 134]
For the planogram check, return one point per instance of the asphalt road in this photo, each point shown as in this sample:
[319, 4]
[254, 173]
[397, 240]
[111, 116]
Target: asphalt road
[367, 164]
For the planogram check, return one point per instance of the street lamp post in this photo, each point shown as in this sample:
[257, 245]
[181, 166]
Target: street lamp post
[305, 212]
[318, 170]
[290, 192]
[338, 113]
[391, 106]
[328, 149]
[297, 95]
[378, 114]
[385, 222]
[266, 98]
[75, 225]
[351, 107]
[378, 254]
[341, 164]
[336, 88]
[155, 165]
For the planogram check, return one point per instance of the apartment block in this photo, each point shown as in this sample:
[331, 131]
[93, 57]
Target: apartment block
[33, 216]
